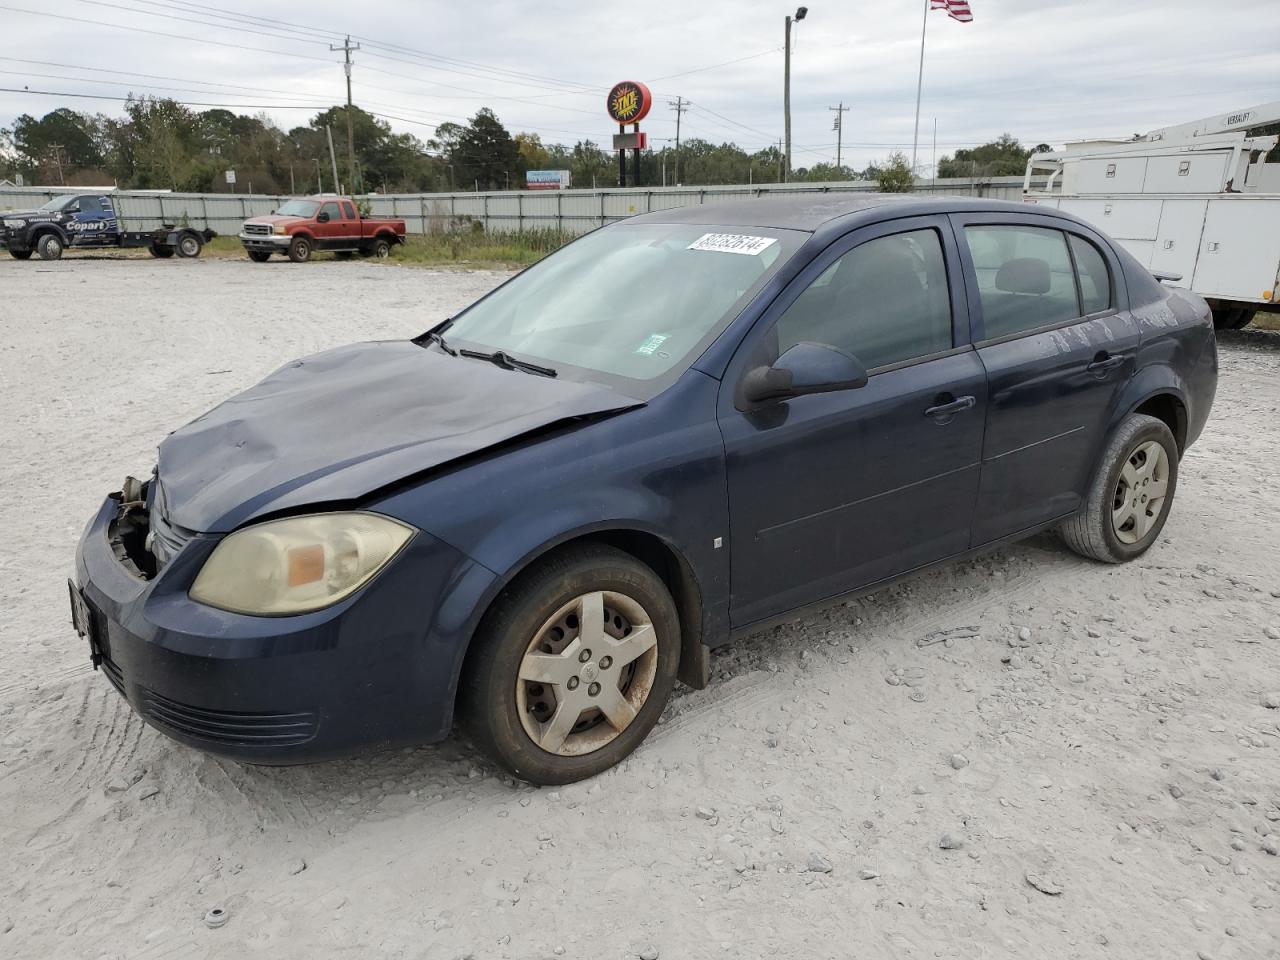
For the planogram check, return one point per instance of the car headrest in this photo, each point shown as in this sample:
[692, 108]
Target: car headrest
[1023, 275]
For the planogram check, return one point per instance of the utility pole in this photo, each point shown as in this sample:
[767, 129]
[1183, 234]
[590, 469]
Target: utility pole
[333, 159]
[347, 48]
[680, 106]
[786, 91]
[838, 127]
[57, 158]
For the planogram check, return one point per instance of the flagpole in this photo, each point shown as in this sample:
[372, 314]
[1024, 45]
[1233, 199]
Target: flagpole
[915, 141]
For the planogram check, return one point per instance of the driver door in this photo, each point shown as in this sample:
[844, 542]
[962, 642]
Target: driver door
[836, 491]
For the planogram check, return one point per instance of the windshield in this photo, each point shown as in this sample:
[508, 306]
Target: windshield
[635, 300]
[299, 208]
[57, 203]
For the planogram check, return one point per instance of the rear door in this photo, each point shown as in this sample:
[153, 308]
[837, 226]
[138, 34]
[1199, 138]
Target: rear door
[350, 223]
[1044, 298]
[835, 491]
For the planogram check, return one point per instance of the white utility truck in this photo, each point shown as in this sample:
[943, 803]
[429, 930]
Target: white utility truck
[1197, 203]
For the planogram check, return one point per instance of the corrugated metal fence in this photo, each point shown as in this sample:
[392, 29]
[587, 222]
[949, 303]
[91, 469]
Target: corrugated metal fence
[569, 211]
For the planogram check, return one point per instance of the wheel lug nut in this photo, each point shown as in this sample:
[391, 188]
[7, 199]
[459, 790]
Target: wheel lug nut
[573, 683]
[606, 663]
[593, 689]
[584, 656]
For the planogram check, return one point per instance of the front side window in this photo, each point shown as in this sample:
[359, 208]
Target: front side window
[884, 301]
[332, 210]
[634, 300]
[90, 205]
[1025, 278]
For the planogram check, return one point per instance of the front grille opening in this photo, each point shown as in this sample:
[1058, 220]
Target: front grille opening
[128, 535]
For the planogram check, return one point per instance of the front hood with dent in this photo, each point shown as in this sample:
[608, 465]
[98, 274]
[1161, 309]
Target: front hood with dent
[340, 424]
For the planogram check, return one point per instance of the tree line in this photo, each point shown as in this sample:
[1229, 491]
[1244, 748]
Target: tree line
[159, 143]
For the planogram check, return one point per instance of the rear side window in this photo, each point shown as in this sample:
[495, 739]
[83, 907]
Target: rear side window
[1025, 278]
[332, 210]
[884, 301]
[1095, 278]
[349, 211]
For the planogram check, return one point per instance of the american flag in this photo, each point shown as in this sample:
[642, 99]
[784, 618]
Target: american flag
[956, 9]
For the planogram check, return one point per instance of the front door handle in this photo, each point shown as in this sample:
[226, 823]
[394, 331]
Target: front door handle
[943, 412]
[1104, 362]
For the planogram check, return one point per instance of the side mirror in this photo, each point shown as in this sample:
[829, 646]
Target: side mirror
[322, 217]
[804, 368]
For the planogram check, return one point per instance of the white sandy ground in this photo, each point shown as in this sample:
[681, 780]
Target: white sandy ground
[1122, 755]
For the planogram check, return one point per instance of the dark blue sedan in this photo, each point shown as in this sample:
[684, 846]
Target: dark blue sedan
[540, 514]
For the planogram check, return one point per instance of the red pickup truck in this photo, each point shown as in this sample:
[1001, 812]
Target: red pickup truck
[302, 226]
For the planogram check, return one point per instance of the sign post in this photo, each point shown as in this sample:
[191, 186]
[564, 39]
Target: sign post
[629, 102]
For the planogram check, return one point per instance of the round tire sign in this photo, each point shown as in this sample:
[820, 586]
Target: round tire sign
[628, 102]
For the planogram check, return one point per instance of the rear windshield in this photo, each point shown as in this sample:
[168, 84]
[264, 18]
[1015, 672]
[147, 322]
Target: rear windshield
[635, 301]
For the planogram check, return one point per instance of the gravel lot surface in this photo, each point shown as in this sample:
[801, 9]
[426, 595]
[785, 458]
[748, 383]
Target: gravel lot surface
[1027, 755]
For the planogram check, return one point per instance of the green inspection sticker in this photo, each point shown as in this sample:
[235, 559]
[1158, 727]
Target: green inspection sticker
[651, 344]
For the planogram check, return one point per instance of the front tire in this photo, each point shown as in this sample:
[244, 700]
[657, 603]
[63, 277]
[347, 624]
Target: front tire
[20, 254]
[572, 666]
[259, 256]
[300, 250]
[49, 247]
[1131, 493]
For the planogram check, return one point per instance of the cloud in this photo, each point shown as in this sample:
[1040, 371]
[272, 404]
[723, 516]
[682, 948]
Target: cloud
[1044, 71]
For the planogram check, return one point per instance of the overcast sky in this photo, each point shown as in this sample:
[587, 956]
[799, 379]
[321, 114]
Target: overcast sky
[1044, 70]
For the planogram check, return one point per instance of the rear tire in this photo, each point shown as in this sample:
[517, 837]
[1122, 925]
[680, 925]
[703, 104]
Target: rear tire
[381, 249]
[49, 247]
[1232, 317]
[1243, 318]
[554, 698]
[1131, 493]
[159, 250]
[300, 250]
[189, 246]
[20, 254]
[259, 256]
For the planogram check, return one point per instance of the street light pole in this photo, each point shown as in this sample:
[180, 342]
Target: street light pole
[786, 89]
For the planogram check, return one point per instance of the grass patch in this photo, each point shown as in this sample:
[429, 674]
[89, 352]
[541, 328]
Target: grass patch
[1266, 321]
[464, 248]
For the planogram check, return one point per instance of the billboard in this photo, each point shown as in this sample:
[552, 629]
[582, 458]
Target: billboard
[547, 179]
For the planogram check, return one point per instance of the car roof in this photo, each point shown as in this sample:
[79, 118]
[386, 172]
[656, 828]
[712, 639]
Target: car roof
[809, 211]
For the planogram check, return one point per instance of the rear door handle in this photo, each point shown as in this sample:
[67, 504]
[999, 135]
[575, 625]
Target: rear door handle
[1104, 362]
[943, 412]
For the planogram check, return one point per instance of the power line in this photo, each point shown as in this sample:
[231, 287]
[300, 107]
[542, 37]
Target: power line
[170, 36]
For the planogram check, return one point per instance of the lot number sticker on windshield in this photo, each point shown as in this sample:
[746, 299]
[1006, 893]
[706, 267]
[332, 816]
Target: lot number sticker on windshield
[732, 243]
[651, 344]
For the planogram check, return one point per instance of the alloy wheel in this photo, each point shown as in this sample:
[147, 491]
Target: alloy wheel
[586, 673]
[1140, 492]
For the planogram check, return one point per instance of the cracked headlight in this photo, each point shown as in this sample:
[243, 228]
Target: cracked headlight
[298, 564]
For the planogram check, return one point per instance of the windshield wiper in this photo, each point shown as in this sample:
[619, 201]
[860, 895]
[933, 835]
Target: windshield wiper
[508, 362]
[438, 339]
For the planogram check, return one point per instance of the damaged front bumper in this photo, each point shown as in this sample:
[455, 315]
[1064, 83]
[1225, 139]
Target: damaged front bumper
[377, 668]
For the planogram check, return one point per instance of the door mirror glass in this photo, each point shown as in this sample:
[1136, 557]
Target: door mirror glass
[322, 217]
[805, 368]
